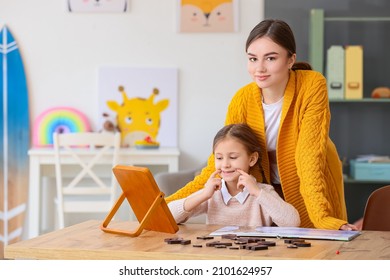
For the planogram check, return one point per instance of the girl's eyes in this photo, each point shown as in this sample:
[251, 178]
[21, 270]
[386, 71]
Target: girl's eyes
[252, 59]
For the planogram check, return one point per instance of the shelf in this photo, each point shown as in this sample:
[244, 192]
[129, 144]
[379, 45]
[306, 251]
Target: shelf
[317, 31]
[358, 19]
[353, 181]
[364, 100]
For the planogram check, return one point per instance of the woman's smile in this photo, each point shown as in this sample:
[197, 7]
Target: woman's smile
[262, 77]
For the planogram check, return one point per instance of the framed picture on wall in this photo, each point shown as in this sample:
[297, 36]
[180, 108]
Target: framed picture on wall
[207, 15]
[97, 6]
[141, 103]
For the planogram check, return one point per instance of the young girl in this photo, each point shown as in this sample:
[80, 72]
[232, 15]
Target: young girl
[232, 196]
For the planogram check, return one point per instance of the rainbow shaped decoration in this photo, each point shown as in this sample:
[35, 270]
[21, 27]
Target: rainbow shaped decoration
[60, 120]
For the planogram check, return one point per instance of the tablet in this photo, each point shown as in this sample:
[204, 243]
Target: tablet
[145, 198]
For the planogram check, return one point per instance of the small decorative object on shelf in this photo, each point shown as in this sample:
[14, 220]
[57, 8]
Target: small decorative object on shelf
[381, 92]
[147, 143]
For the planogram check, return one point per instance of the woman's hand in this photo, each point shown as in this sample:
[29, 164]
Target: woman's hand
[359, 224]
[348, 227]
[249, 182]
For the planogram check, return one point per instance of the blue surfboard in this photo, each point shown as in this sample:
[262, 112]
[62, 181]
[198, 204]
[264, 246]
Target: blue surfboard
[14, 139]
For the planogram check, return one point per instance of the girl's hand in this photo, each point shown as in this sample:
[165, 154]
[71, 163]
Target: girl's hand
[213, 183]
[249, 182]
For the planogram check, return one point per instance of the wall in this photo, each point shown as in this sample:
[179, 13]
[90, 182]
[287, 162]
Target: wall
[63, 51]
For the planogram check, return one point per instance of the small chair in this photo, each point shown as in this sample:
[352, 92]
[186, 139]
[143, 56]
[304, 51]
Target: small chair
[377, 211]
[170, 182]
[88, 191]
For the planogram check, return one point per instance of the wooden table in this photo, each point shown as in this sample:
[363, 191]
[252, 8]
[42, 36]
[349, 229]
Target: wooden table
[41, 158]
[87, 241]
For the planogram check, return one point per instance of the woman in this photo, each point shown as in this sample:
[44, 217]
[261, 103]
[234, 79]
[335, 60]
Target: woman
[287, 106]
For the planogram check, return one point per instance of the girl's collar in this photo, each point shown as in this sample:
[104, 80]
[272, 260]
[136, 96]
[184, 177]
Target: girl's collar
[226, 196]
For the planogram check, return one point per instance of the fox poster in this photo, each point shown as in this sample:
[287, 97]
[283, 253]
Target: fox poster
[207, 15]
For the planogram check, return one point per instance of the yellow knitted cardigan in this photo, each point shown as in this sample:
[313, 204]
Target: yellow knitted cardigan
[309, 166]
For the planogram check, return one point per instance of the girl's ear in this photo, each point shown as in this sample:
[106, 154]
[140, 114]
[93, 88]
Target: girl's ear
[253, 158]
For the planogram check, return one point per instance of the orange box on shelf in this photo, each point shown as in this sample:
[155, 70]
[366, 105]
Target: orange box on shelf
[353, 72]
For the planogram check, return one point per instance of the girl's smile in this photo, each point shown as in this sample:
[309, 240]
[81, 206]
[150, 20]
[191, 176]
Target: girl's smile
[227, 174]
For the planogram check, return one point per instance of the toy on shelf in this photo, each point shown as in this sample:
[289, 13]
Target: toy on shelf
[60, 120]
[109, 124]
[381, 92]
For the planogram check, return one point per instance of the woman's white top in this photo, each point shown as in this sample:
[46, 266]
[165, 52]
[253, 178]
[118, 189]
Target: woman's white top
[272, 113]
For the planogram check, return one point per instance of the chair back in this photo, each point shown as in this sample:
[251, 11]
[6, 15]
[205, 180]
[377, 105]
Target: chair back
[87, 150]
[377, 211]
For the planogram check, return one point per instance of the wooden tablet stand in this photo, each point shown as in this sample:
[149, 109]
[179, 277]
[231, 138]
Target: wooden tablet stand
[146, 200]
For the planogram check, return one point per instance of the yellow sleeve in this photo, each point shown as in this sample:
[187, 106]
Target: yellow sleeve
[318, 191]
[236, 111]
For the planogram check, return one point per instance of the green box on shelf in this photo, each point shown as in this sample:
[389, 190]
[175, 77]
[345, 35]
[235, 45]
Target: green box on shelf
[372, 171]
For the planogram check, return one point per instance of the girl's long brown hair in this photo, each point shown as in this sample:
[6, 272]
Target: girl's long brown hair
[246, 136]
